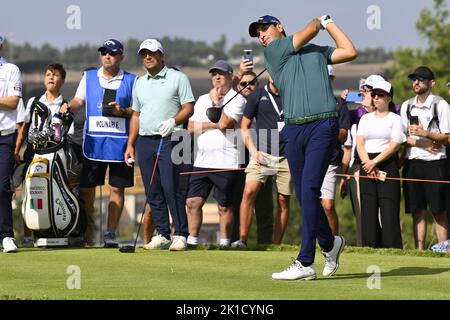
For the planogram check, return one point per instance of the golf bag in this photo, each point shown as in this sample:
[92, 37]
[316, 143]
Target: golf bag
[49, 208]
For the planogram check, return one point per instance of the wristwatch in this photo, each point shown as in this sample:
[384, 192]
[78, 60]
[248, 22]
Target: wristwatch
[324, 20]
[375, 161]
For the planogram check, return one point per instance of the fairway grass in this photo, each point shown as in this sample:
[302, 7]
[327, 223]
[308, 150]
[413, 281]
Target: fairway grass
[217, 274]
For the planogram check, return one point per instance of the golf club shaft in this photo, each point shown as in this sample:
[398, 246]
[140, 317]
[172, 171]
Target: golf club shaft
[237, 93]
[148, 191]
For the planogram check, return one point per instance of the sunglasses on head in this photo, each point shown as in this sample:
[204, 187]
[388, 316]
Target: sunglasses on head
[247, 83]
[112, 54]
[413, 79]
[379, 94]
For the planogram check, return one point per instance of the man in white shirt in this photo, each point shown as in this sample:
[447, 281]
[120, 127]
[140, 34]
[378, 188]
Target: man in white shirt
[10, 93]
[217, 149]
[426, 118]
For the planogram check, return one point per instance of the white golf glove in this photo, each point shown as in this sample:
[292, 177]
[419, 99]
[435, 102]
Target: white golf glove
[324, 20]
[166, 127]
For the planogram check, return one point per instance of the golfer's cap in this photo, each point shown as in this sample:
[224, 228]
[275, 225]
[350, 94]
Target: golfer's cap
[221, 65]
[384, 86]
[331, 71]
[448, 84]
[423, 72]
[262, 20]
[371, 80]
[2, 40]
[151, 45]
[112, 45]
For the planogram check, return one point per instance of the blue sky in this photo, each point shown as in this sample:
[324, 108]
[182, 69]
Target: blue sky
[43, 21]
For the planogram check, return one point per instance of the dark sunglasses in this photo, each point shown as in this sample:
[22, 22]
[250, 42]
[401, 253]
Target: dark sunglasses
[247, 83]
[413, 79]
[379, 94]
[112, 54]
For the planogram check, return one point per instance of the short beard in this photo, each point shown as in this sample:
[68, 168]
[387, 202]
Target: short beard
[421, 91]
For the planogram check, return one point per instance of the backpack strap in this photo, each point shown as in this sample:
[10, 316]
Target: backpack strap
[408, 108]
[435, 117]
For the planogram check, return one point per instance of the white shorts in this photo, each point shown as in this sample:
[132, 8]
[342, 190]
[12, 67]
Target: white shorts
[328, 189]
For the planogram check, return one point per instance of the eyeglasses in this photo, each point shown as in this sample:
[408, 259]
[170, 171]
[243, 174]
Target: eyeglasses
[417, 78]
[112, 54]
[379, 94]
[248, 83]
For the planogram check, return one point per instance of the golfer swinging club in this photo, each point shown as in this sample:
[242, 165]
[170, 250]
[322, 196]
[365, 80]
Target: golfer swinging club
[299, 70]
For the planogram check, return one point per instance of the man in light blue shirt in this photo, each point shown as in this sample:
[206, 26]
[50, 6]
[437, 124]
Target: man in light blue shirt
[162, 102]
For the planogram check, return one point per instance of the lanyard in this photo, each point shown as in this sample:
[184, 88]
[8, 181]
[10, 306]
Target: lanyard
[274, 104]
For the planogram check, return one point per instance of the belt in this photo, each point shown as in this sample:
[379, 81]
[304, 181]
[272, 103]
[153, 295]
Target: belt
[7, 132]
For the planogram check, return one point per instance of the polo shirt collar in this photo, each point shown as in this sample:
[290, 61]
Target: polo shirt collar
[427, 103]
[57, 101]
[119, 76]
[161, 74]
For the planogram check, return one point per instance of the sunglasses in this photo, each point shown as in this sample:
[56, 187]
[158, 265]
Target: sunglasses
[379, 94]
[112, 54]
[417, 78]
[247, 83]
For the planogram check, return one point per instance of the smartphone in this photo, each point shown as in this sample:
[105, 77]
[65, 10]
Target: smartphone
[414, 120]
[108, 96]
[354, 96]
[248, 55]
[382, 175]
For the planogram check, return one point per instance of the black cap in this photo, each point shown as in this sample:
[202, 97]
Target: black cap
[423, 72]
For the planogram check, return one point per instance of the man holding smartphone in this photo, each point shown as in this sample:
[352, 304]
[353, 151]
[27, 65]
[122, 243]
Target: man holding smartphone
[107, 95]
[426, 118]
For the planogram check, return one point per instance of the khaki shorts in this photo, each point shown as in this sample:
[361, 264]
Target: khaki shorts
[278, 167]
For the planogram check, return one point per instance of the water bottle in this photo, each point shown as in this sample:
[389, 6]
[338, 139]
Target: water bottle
[56, 125]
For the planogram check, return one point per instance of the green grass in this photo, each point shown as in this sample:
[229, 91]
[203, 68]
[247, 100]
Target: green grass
[218, 274]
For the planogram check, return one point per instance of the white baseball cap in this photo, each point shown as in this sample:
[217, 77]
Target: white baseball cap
[331, 71]
[383, 85]
[151, 45]
[371, 80]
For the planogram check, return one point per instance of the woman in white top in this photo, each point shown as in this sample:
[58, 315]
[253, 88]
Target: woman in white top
[379, 137]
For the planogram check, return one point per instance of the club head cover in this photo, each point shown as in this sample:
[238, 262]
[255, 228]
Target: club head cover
[214, 114]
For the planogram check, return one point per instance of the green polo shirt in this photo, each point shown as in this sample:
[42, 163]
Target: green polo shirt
[160, 98]
[302, 79]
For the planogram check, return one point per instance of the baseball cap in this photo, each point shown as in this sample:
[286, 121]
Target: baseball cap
[448, 84]
[151, 45]
[113, 46]
[331, 71]
[221, 65]
[383, 85]
[423, 72]
[262, 20]
[371, 80]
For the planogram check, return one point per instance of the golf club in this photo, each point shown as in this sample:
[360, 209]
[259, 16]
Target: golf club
[214, 113]
[132, 248]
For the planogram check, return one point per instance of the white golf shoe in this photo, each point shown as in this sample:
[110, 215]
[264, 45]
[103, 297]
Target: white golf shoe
[296, 271]
[9, 245]
[158, 242]
[179, 243]
[332, 257]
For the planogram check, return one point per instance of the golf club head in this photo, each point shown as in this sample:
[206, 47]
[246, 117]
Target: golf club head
[127, 249]
[214, 114]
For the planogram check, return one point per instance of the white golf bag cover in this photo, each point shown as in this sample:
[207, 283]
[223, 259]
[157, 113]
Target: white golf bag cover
[49, 207]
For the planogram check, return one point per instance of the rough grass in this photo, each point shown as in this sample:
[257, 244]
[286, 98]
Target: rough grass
[213, 273]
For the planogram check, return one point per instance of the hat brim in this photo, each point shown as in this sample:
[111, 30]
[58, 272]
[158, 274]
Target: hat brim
[252, 29]
[448, 84]
[139, 51]
[412, 75]
[105, 48]
[217, 68]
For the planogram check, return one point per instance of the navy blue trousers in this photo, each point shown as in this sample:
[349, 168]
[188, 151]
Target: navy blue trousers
[308, 150]
[165, 193]
[7, 144]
